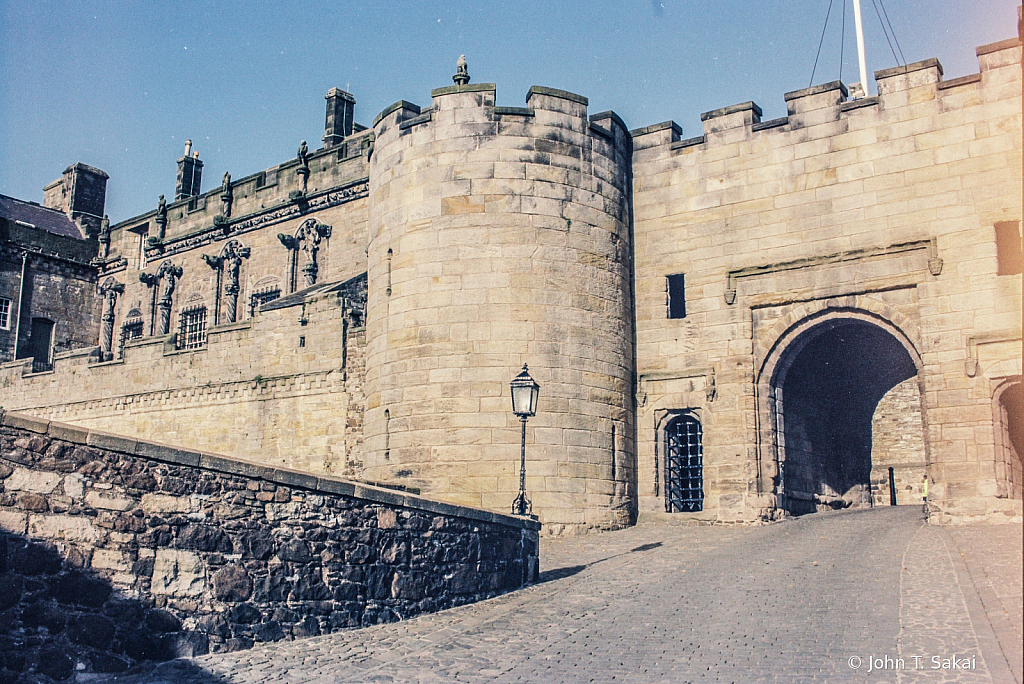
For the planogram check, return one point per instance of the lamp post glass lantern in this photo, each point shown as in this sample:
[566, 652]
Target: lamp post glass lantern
[525, 391]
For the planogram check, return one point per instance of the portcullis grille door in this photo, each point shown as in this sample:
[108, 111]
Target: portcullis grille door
[684, 465]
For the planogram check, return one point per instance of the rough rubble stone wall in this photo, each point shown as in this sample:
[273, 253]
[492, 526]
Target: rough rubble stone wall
[882, 209]
[501, 236]
[114, 551]
[283, 389]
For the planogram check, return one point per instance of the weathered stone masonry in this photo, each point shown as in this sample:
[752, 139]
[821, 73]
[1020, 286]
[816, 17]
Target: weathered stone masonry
[114, 550]
[806, 302]
[283, 388]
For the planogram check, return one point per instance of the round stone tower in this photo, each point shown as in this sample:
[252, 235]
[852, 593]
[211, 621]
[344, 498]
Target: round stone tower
[500, 236]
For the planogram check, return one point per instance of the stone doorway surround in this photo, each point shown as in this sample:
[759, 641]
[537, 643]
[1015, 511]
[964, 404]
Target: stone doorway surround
[779, 331]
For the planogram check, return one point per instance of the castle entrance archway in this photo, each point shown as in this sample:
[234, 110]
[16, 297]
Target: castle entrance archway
[1009, 425]
[824, 390]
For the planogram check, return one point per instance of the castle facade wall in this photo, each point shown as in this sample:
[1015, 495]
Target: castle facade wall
[880, 210]
[760, 320]
[282, 389]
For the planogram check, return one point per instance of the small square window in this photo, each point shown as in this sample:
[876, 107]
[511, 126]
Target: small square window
[5, 313]
[676, 294]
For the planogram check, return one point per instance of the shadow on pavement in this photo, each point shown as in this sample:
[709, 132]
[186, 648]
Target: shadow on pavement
[570, 570]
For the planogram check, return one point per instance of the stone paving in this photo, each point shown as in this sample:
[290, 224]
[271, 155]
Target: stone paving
[798, 601]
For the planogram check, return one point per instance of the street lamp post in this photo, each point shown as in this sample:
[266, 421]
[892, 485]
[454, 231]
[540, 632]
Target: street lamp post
[525, 391]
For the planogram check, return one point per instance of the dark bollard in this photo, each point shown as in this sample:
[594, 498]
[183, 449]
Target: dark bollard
[892, 488]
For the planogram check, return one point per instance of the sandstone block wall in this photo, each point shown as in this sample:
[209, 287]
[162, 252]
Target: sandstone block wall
[500, 236]
[114, 550]
[880, 209]
[282, 389]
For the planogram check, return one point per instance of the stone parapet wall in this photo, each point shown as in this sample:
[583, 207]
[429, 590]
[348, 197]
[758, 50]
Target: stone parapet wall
[256, 194]
[115, 550]
[284, 388]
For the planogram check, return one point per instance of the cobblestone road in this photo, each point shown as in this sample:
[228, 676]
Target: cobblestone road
[798, 601]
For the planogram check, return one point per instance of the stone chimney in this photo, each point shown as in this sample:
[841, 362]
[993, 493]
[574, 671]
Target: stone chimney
[81, 193]
[190, 174]
[340, 107]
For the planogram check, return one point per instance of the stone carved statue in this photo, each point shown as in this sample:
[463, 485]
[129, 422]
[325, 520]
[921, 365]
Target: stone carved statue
[110, 289]
[310, 233]
[227, 195]
[169, 274]
[307, 238]
[161, 219]
[303, 169]
[229, 263]
[104, 237]
[166, 276]
[461, 76]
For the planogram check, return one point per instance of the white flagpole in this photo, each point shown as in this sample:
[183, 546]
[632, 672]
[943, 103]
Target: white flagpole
[860, 47]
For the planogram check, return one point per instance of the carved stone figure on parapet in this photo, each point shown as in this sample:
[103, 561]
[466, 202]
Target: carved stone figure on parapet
[227, 195]
[104, 237]
[160, 220]
[461, 76]
[110, 289]
[303, 169]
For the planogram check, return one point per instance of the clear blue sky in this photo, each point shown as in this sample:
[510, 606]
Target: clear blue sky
[121, 85]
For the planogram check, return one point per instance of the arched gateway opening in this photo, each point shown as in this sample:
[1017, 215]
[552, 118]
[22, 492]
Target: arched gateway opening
[825, 390]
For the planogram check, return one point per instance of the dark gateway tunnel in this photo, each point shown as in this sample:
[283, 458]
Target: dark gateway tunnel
[826, 389]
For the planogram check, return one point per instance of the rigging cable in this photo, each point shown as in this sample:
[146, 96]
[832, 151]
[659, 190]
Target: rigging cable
[842, 43]
[820, 42]
[885, 31]
[893, 30]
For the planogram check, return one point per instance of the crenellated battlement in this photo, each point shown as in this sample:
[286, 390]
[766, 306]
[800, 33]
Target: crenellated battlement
[545, 107]
[898, 87]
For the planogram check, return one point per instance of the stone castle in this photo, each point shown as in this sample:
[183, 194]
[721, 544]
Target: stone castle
[772, 317]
